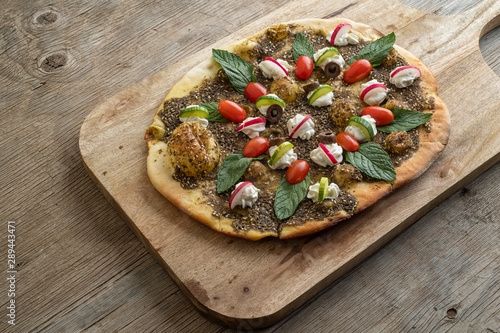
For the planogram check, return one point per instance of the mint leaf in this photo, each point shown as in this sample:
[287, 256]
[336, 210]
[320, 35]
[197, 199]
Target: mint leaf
[302, 46]
[288, 196]
[405, 120]
[376, 51]
[213, 112]
[239, 72]
[372, 160]
[231, 170]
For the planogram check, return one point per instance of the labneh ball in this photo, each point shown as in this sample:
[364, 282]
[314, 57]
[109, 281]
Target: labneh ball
[193, 149]
[398, 143]
[259, 175]
[341, 111]
[345, 174]
[285, 89]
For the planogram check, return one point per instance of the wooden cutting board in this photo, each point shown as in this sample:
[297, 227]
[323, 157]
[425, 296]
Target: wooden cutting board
[248, 284]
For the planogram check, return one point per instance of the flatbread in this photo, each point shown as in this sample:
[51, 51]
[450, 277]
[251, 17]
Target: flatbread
[197, 196]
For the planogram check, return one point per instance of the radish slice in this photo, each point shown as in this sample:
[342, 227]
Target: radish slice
[375, 88]
[340, 30]
[277, 63]
[236, 195]
[251, 122]
[300, 124]
[406, 70]
[404, 76]
[327, 152]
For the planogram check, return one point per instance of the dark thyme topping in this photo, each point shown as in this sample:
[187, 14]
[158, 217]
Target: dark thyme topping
[398, 159]
[261, 215]
[309, 210]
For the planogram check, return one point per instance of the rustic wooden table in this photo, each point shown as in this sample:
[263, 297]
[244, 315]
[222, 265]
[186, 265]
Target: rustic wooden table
[80, 267]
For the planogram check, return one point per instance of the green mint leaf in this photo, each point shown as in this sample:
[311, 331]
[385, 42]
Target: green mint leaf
[231, 170]
[213, 112]
[405, 120]
[376, 51]
[288, 196]
[239, 72]
[372, 160]
[302, 46]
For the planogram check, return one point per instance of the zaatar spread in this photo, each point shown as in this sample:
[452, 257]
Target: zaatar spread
[327, 119]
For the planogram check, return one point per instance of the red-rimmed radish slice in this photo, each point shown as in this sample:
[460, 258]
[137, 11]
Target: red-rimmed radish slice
[406, 70]
[277, 63]
[340, 30]
[236, 195]
[306, 118]
[251, 122]
[327, 152]
[373, 88]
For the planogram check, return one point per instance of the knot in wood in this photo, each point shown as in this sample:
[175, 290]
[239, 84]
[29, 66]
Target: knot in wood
[46, 18]
[451, 313]
[53, 62]
[61, 62]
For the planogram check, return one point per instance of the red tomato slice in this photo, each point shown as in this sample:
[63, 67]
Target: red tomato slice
[381, 115]
[254, 90]
[347, 142]
[357, 71]
[232, 111]
[297, 172]
[255, 147]
[304, 67]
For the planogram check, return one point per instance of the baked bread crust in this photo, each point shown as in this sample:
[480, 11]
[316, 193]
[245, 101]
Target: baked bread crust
[161, 170]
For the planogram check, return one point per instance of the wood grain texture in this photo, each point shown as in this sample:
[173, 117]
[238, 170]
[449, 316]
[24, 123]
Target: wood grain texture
[275, 277]
[80, 267]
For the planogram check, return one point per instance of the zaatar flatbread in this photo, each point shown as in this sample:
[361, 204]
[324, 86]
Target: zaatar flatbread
[184, 159]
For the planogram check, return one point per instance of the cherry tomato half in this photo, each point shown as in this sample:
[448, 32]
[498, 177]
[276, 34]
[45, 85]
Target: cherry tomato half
[357, 71]
[381, 115]
[232, 111]
[304, 67]
[254, 90]
[297, 172]
[347, 142]
[255, 147]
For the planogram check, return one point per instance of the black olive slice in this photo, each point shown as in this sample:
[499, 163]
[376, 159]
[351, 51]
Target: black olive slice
[311, 87]
[332, 70]
[276, 141]
[327, 138]
[274, 113]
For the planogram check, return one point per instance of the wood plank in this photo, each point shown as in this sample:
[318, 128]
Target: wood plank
[449, 259]
[72, 244]
[263, 287]
[48, 193]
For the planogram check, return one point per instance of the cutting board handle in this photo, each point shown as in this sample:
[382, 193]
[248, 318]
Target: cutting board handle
[445, 41]
[486, 15]
[491, 19]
